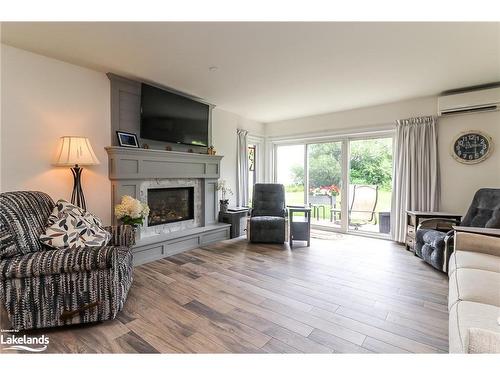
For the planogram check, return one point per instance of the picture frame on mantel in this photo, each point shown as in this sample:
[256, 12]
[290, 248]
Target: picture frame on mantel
[127, 139]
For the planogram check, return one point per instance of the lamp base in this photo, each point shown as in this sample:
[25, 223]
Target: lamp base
[77, 197]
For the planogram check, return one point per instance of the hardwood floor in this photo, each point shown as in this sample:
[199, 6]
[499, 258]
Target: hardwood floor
[344, 294]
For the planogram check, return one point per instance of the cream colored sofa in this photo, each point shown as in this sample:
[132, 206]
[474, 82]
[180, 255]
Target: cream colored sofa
[474, 294]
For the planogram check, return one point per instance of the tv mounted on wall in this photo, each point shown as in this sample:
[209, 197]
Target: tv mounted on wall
[170, 117]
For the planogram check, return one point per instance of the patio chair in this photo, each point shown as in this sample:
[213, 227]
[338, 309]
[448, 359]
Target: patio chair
[362, 203]
[319, 204]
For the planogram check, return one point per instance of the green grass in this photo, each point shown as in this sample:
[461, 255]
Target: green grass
[383, 201]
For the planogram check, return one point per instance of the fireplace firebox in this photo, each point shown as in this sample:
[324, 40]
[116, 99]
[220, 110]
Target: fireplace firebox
[169, 205]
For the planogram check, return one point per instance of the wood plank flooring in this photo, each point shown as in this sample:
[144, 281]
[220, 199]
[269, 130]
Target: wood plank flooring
[344, 294]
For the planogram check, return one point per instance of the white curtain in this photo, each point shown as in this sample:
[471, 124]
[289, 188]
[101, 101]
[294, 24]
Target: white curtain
[416, 171]
[242, 168]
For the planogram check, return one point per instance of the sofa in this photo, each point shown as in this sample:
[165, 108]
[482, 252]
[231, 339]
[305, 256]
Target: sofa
[43, 287]
[474, 294]
[435, 245]
[268, 222]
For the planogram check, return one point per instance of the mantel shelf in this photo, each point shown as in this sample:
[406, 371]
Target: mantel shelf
[149, 151]
[140, 164]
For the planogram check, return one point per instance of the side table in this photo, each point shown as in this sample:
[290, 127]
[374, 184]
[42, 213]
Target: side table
[300, 226]
[238, 222]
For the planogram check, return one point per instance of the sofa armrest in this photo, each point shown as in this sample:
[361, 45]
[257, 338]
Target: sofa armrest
[122, 235]
[68, 260]
[477, 242]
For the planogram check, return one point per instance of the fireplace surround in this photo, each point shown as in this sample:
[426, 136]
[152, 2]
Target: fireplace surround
[142, 173]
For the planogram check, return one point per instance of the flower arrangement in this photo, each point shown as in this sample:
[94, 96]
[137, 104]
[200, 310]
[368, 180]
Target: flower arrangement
[330, 190]
[225, 190]
[131, 211]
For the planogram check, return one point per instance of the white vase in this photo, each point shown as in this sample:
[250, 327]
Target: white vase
[137, 233]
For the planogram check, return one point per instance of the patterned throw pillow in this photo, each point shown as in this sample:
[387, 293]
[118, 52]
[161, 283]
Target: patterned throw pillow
[64, 208]
[70, 226]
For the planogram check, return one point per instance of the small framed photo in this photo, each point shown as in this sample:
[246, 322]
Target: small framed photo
[127, 139]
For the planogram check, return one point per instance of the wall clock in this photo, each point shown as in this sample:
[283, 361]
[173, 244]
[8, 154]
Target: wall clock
[471, 147]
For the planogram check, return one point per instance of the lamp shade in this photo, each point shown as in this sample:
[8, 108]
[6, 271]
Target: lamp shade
[75, 150]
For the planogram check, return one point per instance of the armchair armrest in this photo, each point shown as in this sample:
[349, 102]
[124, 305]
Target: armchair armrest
[122, 235]
[68, 260]
[480, 243]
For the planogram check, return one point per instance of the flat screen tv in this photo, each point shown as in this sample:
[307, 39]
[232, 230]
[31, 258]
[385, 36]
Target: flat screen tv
[169, 117]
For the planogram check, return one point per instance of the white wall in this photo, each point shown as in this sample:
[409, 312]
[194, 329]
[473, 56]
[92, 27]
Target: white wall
[43, 99]
[224, 126]
[458, 181]
[360, 118]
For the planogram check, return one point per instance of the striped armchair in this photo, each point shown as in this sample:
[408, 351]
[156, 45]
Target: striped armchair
[42, 287]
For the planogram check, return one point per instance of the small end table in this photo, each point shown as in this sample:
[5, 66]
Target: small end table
[300, 226]
[238, 221]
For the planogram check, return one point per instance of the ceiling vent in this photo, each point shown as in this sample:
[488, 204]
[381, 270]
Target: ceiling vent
[484, 100]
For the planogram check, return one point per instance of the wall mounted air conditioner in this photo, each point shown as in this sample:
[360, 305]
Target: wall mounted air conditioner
[483, 100]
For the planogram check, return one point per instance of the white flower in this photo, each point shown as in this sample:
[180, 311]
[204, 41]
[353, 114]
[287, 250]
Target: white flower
[132, 208]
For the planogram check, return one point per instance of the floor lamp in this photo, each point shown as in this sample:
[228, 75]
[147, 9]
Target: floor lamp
[75, 152]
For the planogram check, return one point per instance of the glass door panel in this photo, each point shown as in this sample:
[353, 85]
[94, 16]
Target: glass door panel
[290, 172]
[324, 166]
[370, 185]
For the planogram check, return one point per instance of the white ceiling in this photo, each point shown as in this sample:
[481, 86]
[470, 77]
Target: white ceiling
[275, 71]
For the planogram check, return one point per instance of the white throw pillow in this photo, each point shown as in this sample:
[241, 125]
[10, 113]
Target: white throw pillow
[483, 341]
[70, 226]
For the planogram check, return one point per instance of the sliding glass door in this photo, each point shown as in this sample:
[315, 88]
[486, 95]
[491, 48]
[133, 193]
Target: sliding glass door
[290, 172]
[324, 167]
[370, 185]
[346, 182]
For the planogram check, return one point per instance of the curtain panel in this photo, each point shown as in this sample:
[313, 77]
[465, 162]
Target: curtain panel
[242, 168]
[416, 183]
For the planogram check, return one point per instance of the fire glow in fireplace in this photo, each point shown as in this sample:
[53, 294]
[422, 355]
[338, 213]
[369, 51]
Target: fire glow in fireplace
[168, 205]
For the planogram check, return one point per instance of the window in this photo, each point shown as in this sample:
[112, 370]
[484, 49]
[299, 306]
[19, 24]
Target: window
[252, 170]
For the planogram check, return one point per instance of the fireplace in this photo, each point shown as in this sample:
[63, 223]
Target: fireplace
[169, 205]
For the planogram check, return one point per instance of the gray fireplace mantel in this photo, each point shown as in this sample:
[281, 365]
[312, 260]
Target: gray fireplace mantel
[139, 163]
[130, 167]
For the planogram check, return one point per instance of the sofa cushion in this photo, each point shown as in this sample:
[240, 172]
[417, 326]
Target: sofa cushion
[70, 226]
[471, 259]
[23, 218]
[429, 246]
[465, 315]
[474, 285]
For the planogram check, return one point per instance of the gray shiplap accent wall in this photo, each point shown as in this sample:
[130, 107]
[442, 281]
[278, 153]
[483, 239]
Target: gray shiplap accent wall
[126, 113]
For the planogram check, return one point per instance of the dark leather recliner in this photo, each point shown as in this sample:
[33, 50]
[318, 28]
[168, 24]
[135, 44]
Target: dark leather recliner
[268, 216]
[435, 246]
